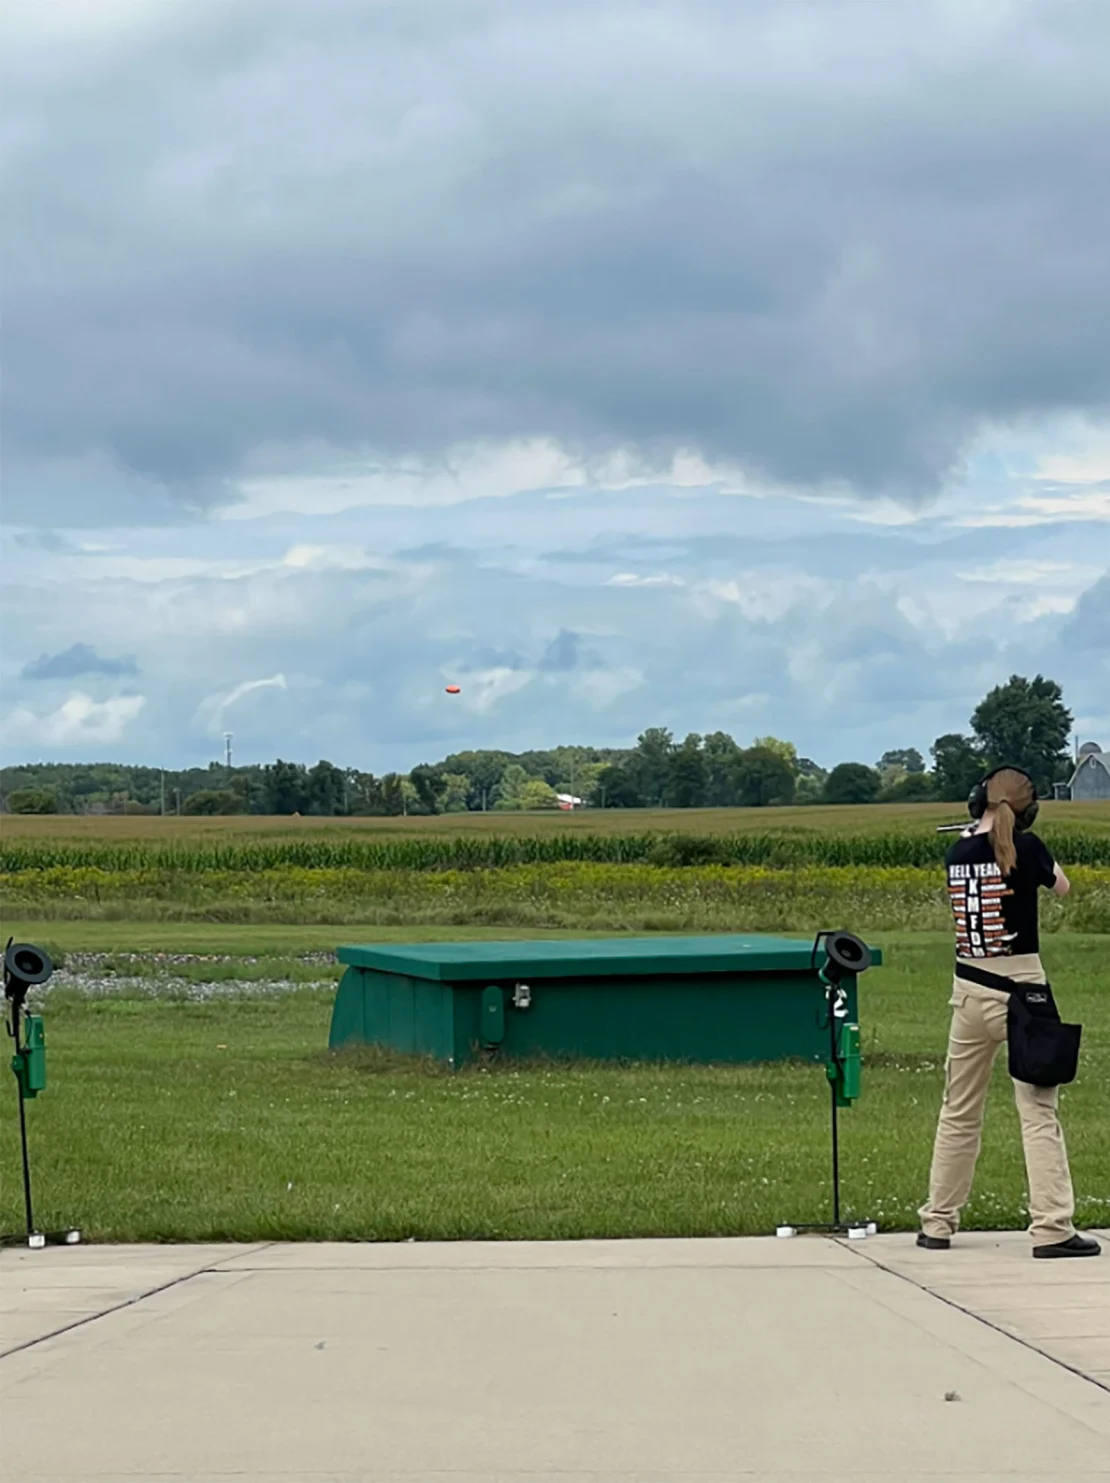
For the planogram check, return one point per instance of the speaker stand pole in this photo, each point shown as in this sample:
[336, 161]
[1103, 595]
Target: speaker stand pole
[34, 1240]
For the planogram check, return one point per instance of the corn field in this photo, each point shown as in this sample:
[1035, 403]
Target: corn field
[250, 855]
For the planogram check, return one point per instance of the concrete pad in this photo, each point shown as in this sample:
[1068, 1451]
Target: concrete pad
[19, 1325]
[1055, 1323]
[699, 1361]
[743, 1251]
[42, 1292]
[1060, 1308]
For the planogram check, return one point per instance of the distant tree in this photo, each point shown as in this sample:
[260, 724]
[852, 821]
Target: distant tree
[616, 788]
[33, 801]
[242, 785]
[284, 788]
[685, 784]
[456, 790]
[784, 749]
[649, 764]
[1025, 722]
[911, 787]
[364, 793]
[536, 794]
[511, 788]
[325, 789]
[518, 792]
[720, 752]
[584, 781]
[908, 759]
[430, 787]
[764, 777]
[575, 770]
[538, 764]
[213, 801]
[809, 788]
[484, 770]
[392, 794]
[852, 782]
[957, 766]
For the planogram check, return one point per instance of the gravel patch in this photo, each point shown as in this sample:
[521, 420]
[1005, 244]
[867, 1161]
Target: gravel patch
[89, 975]
[91, 962]
[167, 986]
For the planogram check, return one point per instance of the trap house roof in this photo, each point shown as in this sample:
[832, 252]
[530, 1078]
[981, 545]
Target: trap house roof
[454, 962]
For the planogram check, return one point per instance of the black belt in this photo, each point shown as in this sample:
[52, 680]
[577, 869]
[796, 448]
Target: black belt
[989, 980]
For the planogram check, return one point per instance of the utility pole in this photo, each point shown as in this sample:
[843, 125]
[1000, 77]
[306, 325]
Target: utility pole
[227, 754]
[162, 796]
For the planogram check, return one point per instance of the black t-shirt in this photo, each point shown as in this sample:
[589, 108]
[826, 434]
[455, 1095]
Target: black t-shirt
[996, 917]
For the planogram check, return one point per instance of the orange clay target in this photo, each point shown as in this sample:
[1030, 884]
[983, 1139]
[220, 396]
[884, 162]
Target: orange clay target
[453, 689]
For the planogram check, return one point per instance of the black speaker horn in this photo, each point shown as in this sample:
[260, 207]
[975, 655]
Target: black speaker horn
[846, 954]
[25, 967]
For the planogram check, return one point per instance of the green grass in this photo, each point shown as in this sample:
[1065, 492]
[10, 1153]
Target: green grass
[170, 1120]
[123, 936]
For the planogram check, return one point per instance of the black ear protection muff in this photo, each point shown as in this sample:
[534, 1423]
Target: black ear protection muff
[977, 799]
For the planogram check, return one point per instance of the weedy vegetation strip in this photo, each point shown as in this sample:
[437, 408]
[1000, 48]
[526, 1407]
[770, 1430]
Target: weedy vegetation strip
[570, 894]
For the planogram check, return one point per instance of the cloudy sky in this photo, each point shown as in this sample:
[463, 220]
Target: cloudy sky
[716, 365]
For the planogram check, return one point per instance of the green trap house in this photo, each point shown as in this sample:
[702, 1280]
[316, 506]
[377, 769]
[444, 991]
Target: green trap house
[706, 998]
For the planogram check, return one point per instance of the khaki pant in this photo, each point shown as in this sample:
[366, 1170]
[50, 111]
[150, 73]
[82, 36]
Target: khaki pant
[978, 1030]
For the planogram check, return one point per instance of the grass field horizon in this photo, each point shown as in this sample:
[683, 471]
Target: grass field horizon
[805, 818]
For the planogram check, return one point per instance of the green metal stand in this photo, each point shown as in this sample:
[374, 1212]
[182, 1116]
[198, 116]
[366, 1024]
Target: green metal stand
[23, 967]
[846, 955]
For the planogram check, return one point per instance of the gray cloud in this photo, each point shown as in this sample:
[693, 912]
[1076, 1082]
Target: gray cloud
[842, 643]
[1089, 628]
[565, 653]
[52, 541]
[76, 661]
[828, 241]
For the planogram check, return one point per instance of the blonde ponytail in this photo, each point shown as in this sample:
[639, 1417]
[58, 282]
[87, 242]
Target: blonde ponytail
[1009, 792]
[1002, 837]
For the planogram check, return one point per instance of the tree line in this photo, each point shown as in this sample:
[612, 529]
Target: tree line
[1023, 721]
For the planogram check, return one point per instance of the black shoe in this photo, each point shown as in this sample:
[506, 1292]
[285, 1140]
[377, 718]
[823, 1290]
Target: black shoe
[933, 1243]
[1073, 1246]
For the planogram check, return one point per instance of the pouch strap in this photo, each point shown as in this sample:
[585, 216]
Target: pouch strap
[992, 980]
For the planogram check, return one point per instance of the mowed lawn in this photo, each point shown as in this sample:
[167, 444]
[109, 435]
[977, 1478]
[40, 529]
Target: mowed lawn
[169, 1119]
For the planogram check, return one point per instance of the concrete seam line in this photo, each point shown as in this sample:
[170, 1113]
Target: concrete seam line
[998, 1329]
[141, 1297]
[547, 1267]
